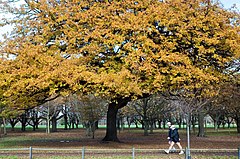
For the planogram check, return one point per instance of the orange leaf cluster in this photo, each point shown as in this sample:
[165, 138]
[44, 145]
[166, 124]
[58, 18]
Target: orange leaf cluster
[117, 48]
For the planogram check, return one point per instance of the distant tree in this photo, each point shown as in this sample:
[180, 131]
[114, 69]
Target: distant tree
[71, 111]
[51, 112]
[191, 102]
[35, 117]
[148, 109]
[91, 109]
[159, 106]
[131, 116]
[228, 100]
[13, 121]
[217, 111]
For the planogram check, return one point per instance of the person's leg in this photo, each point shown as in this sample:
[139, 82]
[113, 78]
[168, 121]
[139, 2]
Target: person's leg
[170, 147]
[173, 148]
[180, 147]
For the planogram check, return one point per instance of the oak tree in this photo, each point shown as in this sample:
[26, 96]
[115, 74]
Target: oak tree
[119, 49]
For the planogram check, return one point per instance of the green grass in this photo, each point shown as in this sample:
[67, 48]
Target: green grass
[9, 157]
[18, 141]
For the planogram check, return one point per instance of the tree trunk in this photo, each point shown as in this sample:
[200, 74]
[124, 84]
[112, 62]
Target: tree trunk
[229, 121]
[164, 124]
[136, 125]
[47, 126]
[37, 121]
[201, 132]
[13, 122]
[65, 121]
[128, 123]
[54, 124]
[238, 124]
[48, 120]
[93, 129]
[193, 122]
[215, 124]
[77, 123]
[87, 125]
[34, 126]
[111, 133]
[151, 126]
[24, 122]
[4, 127]
[146, 127]
[73, 121]
[145, 118]
[159, 124]
[96, 125]
[120, 124]
[12, 127]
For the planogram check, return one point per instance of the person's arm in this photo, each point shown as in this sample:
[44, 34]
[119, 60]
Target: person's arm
[169, 134]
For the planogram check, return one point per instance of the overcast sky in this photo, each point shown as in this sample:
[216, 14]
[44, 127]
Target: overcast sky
[227, 4]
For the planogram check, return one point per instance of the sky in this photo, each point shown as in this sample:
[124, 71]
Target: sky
[226, 3]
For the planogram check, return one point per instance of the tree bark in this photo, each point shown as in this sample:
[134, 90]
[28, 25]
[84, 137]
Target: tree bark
[54, 124]
[35, 120]
[65, 121]
[93, 129]
[48, 120]
[13, 122]
[145, 118]
[111, 132]
[73, 122]
[159, 124]
[201, 132]
[4, 127]
[193, 122]
[151, 122]
[146, 127]
[24, 122]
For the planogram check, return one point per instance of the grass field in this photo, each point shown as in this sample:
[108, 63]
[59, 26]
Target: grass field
[76, 139]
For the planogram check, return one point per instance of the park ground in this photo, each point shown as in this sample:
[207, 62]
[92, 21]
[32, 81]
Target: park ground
[223, 139]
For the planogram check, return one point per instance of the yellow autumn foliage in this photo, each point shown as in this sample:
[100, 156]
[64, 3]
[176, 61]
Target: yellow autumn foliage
[116, 48]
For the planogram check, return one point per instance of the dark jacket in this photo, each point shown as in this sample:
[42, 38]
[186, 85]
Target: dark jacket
[173, 134]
